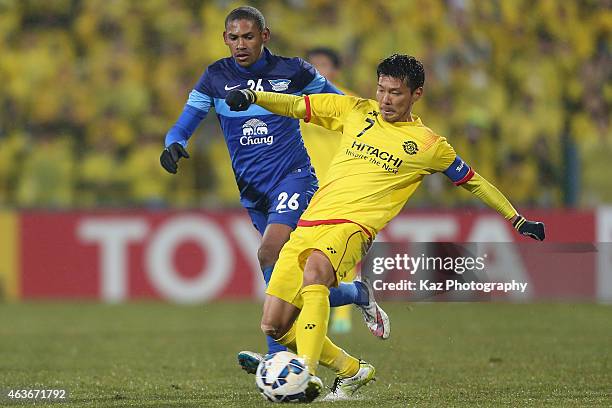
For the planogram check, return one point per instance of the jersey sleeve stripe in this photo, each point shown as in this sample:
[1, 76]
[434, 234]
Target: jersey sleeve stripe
[466, 178]
[199, 101]
[308, 110]
[429, 142]
[333, 221]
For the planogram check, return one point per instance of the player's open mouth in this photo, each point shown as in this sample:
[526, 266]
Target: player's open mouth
[242, 56]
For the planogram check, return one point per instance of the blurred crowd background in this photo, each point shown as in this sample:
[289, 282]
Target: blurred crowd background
[89, 88]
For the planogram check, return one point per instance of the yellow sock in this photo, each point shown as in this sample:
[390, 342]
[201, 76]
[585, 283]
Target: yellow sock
[312, 324]
[288, 339]
[332, 356]
[338, 360]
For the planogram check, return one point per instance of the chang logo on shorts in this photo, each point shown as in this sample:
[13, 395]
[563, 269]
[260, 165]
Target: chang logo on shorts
[255, 132]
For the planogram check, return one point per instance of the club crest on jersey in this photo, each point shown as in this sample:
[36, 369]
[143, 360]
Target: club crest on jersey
[410, 147]
[279, 84]
[255, 132]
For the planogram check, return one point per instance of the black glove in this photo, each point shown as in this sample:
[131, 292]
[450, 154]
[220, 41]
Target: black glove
[171, 155]
[240, 99]
[533, 229]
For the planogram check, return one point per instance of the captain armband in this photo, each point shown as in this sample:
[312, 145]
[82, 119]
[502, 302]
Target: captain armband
[459, 172]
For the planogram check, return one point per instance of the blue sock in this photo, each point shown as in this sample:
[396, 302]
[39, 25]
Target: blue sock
[267, 274]
[273, 345]
[348, 293]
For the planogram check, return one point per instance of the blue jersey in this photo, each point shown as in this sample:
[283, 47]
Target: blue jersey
[264, 147]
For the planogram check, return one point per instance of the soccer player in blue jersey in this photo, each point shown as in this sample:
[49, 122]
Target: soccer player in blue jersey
[270, 163]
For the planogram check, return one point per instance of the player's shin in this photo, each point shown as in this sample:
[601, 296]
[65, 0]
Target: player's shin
[312, 324]
[273, 345]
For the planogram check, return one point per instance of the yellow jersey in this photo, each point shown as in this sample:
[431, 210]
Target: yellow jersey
[378, 164]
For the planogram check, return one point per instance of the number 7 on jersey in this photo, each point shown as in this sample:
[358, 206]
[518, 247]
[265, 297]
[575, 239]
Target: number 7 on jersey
[371, 123]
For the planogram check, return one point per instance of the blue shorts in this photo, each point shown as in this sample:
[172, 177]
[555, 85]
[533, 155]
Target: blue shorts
[286, 202]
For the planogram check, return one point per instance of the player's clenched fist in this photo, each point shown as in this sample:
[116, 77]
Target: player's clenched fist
[171, 155]
[533, 229]
[240, 100]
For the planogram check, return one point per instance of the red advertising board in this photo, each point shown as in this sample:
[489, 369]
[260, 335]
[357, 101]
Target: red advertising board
[117, 256]
[203, 255]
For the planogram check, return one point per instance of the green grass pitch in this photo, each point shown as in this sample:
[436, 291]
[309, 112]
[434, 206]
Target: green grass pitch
[453, 354]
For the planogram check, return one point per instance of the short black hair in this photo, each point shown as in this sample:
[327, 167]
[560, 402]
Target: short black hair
[333, 55]
[247, 13]
[403, 67]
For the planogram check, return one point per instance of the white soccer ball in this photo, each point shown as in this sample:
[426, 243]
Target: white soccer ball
[282, 377]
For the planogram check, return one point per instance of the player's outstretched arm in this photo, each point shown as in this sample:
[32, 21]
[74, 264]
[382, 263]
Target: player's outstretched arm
[491, 196]
[281, 104]
[319, 108]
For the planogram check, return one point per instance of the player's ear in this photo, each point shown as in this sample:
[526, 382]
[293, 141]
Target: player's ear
[225, 38]
[416, 95]
[266, 35]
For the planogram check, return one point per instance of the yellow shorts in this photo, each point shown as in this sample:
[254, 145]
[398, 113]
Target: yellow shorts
[344, 244]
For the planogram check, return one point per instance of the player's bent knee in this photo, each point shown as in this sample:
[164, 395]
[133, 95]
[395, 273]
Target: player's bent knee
[314, 278]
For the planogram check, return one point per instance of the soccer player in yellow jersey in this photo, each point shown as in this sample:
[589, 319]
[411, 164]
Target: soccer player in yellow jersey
[322, 145]
[385, 153]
